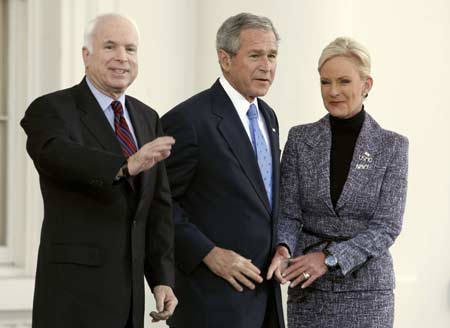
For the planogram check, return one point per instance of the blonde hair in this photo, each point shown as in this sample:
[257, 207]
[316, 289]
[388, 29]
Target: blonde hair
[347, 47]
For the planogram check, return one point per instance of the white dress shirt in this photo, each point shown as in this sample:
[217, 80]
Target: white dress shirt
[105, 103]
[242, 105]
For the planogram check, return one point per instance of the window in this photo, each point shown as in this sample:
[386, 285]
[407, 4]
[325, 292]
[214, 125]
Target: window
[23, 26]
[13, 73]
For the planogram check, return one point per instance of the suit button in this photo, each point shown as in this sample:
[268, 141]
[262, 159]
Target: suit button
[134, 223]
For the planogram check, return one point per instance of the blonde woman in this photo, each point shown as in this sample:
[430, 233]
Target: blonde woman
[343, 190]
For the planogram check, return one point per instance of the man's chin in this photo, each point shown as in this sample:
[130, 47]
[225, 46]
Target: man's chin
[261, 92]
[119, 87]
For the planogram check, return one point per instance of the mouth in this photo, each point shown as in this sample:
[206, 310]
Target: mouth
[263, 80]
[335, 102]
[119, 71]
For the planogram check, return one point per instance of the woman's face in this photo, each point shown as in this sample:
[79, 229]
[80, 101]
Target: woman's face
[342, 87]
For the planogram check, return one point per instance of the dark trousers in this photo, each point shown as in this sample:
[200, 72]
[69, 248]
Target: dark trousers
[271, 317]
[129, 323]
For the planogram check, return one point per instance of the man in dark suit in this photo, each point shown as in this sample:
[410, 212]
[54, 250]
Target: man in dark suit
[107, 204]
[224, 178]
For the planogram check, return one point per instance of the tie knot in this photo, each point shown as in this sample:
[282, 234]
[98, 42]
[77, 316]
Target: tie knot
[252, 112]
[117, 107]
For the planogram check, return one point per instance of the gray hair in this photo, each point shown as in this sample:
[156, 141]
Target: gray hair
[228, 35]
[91, 26]
[347, 47]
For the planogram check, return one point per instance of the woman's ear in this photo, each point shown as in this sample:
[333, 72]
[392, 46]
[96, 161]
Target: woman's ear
[367, 86]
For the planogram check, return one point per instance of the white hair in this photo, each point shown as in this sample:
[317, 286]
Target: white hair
[89, 30]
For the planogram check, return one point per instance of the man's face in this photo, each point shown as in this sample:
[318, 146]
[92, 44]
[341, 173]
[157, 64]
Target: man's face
[252, 69]
[112, 65]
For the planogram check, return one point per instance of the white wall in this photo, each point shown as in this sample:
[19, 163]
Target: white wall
[410, 48]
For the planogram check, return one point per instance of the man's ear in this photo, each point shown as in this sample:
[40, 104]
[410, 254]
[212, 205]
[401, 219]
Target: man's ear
[86, 53]
[224, 60]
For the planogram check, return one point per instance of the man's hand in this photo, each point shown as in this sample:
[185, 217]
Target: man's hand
[233, 268]
[165, 303]
[150, 154]
[280, 262]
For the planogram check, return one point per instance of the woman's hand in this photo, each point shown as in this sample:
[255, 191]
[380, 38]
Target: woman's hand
[306, 268]
[279, 263]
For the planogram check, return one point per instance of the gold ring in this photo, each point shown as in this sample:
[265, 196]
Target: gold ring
[306, 275]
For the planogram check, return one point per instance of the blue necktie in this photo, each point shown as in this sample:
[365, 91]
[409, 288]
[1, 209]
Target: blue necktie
[261, 150]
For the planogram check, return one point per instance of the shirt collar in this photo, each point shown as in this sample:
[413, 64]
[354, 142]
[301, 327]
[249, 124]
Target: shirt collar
[240, 103]
[103, 100]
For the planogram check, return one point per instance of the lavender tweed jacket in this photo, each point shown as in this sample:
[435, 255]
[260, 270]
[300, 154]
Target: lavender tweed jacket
[369, 211]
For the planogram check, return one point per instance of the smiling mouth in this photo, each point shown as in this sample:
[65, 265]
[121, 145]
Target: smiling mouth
[119, 70]
[263, 80]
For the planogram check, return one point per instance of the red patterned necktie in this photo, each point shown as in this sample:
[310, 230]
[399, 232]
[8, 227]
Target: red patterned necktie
[123, 132]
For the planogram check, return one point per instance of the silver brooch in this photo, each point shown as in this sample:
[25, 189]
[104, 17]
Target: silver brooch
[364, 161]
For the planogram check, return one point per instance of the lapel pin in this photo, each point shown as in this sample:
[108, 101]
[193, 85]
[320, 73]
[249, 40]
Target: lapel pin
[273, 129]
[362, 166]
[365, 160]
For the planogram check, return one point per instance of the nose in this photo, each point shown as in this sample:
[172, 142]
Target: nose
[121, 54]
[334, 90]
[265, 64]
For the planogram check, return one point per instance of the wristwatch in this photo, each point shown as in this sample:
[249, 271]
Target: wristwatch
[330, 260]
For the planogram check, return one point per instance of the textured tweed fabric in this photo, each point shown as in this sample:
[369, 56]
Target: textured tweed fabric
[311, 308]
[368, 213]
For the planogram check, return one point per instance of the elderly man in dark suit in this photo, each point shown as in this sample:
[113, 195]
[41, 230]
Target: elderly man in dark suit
[224, 178]
[107, 204]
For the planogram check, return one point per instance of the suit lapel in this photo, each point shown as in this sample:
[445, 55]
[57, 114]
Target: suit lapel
[141, 130]
[232, 130]
[366, 147]
[95, 120]
[143, 135]
[320, 141]
[274, 141]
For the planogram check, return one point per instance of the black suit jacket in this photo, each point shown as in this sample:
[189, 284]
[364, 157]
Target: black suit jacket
[219, 200]
[99, 236]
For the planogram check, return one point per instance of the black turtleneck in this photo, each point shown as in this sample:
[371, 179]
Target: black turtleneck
[344, 133]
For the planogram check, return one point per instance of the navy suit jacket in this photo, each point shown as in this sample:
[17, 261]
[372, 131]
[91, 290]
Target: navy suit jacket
[219, 200]
[99, 236]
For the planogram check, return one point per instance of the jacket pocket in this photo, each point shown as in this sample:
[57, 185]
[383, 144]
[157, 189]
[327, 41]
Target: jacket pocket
[75, 254]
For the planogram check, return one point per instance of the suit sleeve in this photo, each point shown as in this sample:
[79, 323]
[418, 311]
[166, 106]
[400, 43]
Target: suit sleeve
[191, 245]
[159, 259]
[386, 223]
[289, 225]
[56, 155]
